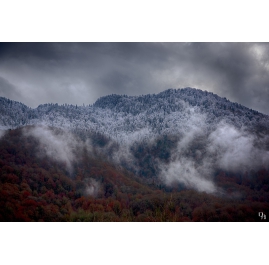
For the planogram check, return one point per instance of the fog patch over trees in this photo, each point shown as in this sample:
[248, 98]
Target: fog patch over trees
[59, 146]
[2, 133]
[226, 148]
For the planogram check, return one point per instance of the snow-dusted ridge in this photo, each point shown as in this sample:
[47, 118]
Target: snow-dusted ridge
[119, 116]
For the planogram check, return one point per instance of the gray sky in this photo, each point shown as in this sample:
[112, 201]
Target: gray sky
[77, 73]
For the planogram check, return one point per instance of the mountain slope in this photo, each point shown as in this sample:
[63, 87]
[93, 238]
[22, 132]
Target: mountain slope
[37, 185]
[179, 136]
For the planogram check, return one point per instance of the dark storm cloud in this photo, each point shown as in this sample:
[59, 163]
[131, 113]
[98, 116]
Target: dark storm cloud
[81, 72]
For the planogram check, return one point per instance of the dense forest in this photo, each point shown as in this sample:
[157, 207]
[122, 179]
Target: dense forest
[180, 155]
[35, 187]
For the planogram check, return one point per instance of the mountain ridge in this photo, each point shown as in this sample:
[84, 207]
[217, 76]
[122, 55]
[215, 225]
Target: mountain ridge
[115, 115]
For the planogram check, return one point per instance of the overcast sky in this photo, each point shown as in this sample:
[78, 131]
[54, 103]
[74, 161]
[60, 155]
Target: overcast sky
[77, 73]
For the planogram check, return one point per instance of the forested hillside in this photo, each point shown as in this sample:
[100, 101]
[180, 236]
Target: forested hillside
[37, 188]
[180, 155]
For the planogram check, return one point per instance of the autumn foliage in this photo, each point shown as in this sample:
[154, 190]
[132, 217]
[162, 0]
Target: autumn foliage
[34, 188]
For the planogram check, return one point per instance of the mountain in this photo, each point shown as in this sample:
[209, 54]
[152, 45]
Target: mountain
[113, 160]
[116, 115]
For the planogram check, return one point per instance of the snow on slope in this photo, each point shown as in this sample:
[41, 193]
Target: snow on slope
[125, 118]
